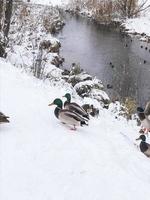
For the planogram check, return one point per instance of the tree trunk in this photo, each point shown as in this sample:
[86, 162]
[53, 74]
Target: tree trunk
[2, 49]
[1, 13]
[8, 13]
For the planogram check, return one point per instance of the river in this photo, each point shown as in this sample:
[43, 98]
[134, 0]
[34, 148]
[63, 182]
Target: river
[121, 62]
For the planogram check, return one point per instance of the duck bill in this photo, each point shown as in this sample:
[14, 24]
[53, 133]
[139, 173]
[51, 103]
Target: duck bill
[138, 138]
[51, 104]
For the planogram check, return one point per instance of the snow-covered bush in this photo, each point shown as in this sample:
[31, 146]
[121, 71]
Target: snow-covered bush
[31, 45]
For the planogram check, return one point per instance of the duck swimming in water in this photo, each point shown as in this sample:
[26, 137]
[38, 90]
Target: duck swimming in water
[144, 116]
[3, 118]
[74, 107]
[67, 116]
[144, 146]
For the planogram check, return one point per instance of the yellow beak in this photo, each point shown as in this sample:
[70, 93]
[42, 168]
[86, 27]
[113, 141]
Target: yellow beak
[51, 104]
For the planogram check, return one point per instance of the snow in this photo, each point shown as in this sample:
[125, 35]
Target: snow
[139, 25]
[95, 81]
[40, 158]
[50, 2]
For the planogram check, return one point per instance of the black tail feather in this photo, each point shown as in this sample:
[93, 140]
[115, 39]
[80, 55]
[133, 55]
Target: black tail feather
[83, 123]
[86, 116]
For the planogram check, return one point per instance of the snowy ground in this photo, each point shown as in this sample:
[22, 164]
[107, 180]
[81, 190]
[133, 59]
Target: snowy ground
[139, 25]
[42, 159]
[50, 2]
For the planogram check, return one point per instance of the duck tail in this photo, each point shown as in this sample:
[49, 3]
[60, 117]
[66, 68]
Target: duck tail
[86, 116]
[4, 120]
[83, 123]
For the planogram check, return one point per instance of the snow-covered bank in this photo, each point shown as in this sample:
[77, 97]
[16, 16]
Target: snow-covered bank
[140, 25]
[133, 26]
[42, 159]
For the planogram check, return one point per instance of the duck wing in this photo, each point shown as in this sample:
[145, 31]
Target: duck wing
[70, 117]
[72, 114]
[148, 145]
[78, 109]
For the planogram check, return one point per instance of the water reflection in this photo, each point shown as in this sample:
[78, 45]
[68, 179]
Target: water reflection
[94, 47]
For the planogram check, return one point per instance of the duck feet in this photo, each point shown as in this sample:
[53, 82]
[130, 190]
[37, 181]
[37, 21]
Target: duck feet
[73, 129]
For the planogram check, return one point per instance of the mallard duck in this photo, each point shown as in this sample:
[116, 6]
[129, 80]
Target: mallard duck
[74, 106]
[144, 116]
[67, 116]
[3, 118]
[144, 147]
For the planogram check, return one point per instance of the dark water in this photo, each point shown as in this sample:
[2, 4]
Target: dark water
[95, 46]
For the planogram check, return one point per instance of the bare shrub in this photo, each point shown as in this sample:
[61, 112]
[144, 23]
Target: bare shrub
[129, 105]
[24, 12]
[107, 10]
[104, 11]
[126, 8]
